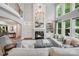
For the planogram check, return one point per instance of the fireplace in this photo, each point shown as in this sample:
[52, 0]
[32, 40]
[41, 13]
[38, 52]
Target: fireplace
[39, 35]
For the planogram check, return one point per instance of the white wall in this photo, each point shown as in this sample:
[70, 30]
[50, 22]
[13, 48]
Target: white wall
[28, 17]
[50, 12]
[50, 16]
[28, 12]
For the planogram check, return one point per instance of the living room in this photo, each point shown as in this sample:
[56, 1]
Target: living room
[39, 29]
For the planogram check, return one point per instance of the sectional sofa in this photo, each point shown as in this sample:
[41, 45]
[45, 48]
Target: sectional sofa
[29, 50]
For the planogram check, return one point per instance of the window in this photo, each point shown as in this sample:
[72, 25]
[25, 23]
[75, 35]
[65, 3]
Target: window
[67, 27]
[77, 28]
[67, 7]
[59, 10]
[77, 31]
[77, 22]
[59, 27]
[76, 5]
[3, 30]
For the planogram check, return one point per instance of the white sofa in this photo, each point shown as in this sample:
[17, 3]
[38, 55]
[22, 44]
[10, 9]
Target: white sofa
[29, 52]
[54, 51]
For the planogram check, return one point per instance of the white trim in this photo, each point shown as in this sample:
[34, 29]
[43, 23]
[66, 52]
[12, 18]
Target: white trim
[63, 29]
[9, 9]
[56, 27]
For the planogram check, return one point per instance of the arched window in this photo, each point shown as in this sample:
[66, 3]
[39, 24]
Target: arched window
[67, 7]
[59, 10]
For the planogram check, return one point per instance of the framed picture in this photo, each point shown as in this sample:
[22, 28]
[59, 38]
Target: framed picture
[49, 27]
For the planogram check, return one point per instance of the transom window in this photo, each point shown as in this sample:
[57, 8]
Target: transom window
[59, 10]
[67, 7]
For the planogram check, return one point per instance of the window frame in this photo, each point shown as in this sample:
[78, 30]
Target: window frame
[76, 27]
[59, 28]
[67, 28]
